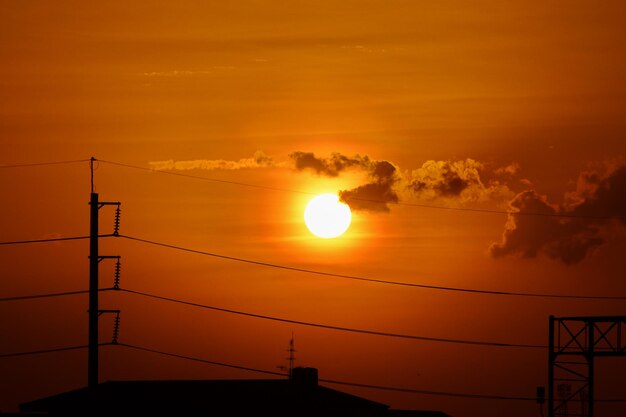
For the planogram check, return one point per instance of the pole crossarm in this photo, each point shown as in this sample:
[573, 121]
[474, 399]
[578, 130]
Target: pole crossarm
[608, 335]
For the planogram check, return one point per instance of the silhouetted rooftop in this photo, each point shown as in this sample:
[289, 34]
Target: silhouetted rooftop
[223, 398]
[208, 397]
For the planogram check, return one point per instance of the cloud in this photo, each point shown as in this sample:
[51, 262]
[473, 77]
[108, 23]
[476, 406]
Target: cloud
[187, 73]
[454, 182]
[372, 196]
[463, 180]
[600, 194]
[259, 160]
[598, 200]
[377, 194]
[330, 166]
[509, 170]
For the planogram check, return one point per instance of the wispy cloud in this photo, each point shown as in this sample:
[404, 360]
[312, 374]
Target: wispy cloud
[187, 73]
[259, 160]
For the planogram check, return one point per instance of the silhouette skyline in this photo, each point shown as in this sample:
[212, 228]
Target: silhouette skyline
[480, 148]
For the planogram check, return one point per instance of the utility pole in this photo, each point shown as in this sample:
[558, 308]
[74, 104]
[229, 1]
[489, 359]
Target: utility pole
[94, 261]
[92, 368]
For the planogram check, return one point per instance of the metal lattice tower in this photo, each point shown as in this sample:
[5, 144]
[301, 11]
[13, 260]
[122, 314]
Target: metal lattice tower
[575, 342]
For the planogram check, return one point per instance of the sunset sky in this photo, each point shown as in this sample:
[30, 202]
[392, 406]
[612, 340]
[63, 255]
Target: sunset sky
[413, 112]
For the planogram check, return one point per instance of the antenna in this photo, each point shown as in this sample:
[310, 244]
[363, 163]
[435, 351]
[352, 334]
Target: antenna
[292, 358]
[91, 162]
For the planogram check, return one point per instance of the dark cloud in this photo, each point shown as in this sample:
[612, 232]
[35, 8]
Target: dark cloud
[601, 196]
[376, 195]
[330, 166]
[373, 196]
[600, 202]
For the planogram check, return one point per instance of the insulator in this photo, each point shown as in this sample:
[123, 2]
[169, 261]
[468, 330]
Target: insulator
[116, 329]
[116, 228]
[116, 283]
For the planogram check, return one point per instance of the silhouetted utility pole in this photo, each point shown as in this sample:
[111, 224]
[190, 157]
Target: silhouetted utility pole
[92, 369]
[94, 260]
[575, 342]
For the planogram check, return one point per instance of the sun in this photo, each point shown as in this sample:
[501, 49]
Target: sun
[326, 216]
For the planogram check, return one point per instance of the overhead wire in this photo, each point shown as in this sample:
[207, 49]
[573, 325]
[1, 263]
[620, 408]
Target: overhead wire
[36, 164]
[42, 351]
[175, 355]
[333, 327]
[449, 394]
[52, 239]
[348, 383]
[329, 381]
[373, 280]
[49, 295]
[272, 318]
[274, 373]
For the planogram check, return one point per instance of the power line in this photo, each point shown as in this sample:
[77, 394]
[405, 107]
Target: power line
[74, 161]
[264, 371]
[48, 295]
[38, 352]
[375, 280]
[175, 355]
[428, 392]
[53, 239]
[332, 381]
[447, 394]
[332, 327]
[397, 203]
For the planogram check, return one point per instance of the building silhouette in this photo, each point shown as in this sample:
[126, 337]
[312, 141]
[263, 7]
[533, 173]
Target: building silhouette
[299, 396]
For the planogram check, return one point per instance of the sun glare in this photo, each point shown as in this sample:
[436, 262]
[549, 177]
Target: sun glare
[326, 216]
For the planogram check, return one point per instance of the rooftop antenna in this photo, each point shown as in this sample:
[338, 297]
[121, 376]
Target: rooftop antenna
[292, 358]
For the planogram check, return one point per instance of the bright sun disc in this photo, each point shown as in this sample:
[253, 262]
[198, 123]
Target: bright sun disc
[326, 216]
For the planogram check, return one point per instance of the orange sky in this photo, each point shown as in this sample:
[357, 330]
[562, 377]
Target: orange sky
[441, 91]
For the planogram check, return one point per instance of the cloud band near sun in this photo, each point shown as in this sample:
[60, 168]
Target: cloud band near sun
[448, 182]
[594, 208]
[375, 195]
